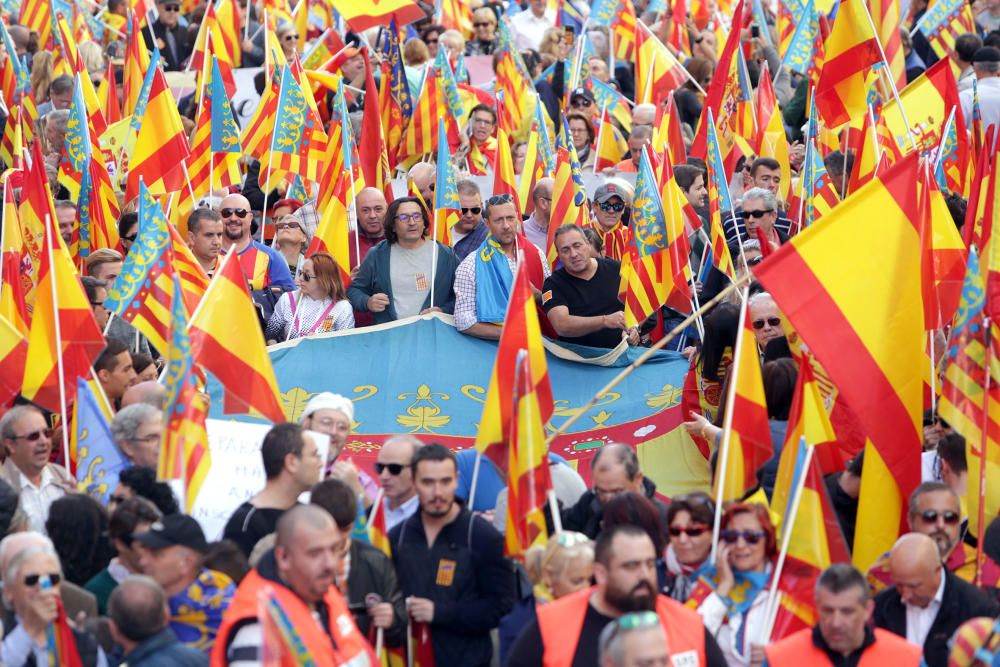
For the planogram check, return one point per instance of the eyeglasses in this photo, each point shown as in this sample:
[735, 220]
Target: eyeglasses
[758, 214]
[580, 103]
[772, 321]
[482, 24]
[949, 517]
[393, 468]
[34, 436]
[612, 207]
[130, 239]
[291, 38]
[475, 210]
[409, 217]
[238, 212]
[749, 536]
[287, 225]
[33, 579]
[431, 41]
[152, 437]
[171, 8]
[755, 261]
[306, 277]
[690, 531]
[118, 500]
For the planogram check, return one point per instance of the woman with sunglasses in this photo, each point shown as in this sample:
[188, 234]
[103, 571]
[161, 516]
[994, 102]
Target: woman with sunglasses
[731, 595]
[689, 527]
[288, 38]
[564, 566]
[319, 305]
[485, 42]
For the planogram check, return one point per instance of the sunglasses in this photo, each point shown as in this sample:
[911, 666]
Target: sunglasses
[757, 214]
[287, 225]
[482, 25]
[171, 8]
[238, 212]
[393, 468]
[130, 239]
[690, 531]
[306, 277]
[755, 261]
[949, 517]
[609, 207]
[290, 38]
[580, 103]
[118, 500]
[430, 41]
[34, 436]
[475, 210]
[33, 579]
[773, 321]
[749, 536]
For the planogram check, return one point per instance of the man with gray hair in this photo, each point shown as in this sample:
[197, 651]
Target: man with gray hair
[643, 115]
[55, 132]
[394, 473]
[32, 578]
[634, 640]
[138, 613]
[60, 95]
[470, 230]
[986, 63]
[760, 213]
[137, 431]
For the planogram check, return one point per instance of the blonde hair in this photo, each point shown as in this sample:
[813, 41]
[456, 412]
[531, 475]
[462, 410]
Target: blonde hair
[484, 14]
[550, 42]
[93, 58]
[564, 547]
[41, 75]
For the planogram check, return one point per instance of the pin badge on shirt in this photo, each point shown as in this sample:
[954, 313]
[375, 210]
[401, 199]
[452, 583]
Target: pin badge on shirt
[421, 282]
[446, 572]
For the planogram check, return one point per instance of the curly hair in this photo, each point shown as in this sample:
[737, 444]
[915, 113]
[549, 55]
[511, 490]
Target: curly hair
[142, 480]
[78, 527]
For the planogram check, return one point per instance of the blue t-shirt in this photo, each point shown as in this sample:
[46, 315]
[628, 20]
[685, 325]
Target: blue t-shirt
[490, 482]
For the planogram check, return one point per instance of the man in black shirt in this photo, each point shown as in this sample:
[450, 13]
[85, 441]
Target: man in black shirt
[581, 298]
[292, 465]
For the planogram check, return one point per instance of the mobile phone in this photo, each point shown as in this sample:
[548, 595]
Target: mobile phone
[569, 35]
[755, 31]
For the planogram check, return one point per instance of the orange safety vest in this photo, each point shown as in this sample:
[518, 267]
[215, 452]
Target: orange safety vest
[561, 621]
[798, 649]
[352, 648]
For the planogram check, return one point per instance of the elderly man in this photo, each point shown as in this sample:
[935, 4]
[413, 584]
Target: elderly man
[986, 63]
[759, 216]
[396, 476]
[926, 603]
[27, 442]
[934, 510]
[639, 139]
[581, 298]
[634, 640]
[482, 143]
[149, 392]
[643, 115]
[842, 635]
[171, 552]
[55, 132]
[333, 415]
[31, 586]
[568, 630]
[765, 318]
[138, 430]
[292, 465]
[370, 205]
[484, 279]
[172, 39]
[610, 202]
[421, 179]
[262, 265]
[470, 231]
[205, 233]
[298, 574]
[536, 227]
[138, 615]
[765, 172]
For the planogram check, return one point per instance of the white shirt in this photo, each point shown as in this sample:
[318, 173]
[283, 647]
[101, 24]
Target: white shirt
[989, 101]
[401, 513]
[35, 500]
[919, 621]
[529, 30]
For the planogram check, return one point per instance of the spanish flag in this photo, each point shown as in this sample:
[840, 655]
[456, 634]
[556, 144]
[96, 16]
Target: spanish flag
[850, 50]
[13, 354]
[363, 15]
[861, 314]
[226, 341]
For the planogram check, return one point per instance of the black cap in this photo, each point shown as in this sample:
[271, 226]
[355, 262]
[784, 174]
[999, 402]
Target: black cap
[987, 54]
[582, 92]
[174, 530]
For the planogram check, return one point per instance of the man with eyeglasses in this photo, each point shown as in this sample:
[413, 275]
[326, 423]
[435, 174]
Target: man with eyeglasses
[765, 173]
[759, 217]
[333, 415]
[292, 466]
[926, 603]
[138, 430]
[114, 371]
[935, 511]
[842, 635]
[470, 231]
[263, 266]
[583, 101]
[484, 279]
[482, 143]
[634, 640]
[765, 318]
[610, 202]
[172, 39]
[27, 441]
[31, 586]
[400, 500]
[639, 139]
[205, 233]
[567, 631]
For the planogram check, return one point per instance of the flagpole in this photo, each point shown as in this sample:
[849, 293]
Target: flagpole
[983, 444]
[892, 83]
[270, 161]
[246, 27]
[600, 133]
[59, 351]
[727, 432]
[645, 356]
[789, 525]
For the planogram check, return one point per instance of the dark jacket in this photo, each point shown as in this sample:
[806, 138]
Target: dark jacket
[372, 573]
[961, 601]
[585, 516]
[172, 62]
[252, 189]
[374, 278]
[466, 576]
[164, 650]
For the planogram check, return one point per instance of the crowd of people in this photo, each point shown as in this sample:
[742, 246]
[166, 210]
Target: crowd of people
[302, 573]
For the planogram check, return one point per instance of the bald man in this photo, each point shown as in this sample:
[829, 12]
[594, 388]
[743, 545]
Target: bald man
[926, 602]
[421, 178]
[371, 206]
[263, 266]
[536, 228]
[150, 392]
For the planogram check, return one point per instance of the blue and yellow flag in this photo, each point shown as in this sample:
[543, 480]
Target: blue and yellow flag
[225, 132]
[446, 206]
[98, 459]
[77, 148]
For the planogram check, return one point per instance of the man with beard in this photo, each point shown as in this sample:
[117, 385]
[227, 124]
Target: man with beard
[567, 630]
[450, 566]
[263, 266]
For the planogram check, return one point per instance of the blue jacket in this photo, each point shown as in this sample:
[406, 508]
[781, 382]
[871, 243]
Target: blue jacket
[374, 278]
[164, 650]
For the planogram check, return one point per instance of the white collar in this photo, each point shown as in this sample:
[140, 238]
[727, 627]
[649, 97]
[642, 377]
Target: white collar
[939, 596]
[46, 478]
